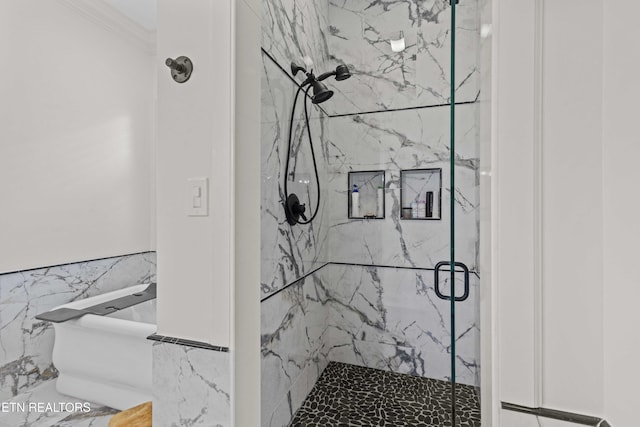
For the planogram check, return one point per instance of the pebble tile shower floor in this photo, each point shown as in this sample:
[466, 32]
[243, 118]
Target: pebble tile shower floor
[349, 395]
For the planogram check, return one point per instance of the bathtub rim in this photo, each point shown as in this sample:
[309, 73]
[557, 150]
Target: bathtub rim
[106, 323]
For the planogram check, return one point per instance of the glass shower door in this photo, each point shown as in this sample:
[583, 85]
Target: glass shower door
[456, 279]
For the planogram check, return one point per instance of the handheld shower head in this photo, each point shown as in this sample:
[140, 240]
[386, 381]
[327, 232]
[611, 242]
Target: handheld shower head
[320, 92]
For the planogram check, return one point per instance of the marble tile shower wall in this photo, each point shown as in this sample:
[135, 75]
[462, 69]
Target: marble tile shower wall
[381, 317]
[392, 141]
[289, 253]
[378, 317]
[292, 29]
[391, 319]
[26, 343]
[359, 36]
[294, 329]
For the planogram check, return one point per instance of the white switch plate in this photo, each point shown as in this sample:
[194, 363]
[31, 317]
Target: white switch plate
[197, 197]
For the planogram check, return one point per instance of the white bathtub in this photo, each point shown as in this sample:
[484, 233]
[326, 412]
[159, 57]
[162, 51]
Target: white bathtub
[106, 359]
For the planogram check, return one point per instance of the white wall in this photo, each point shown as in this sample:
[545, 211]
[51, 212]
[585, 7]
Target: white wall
[565, 235]
[195, 140]
[621, 175]
[77, 130]
[247, 186]
[571, 206]
[485, 122]
[513, 187]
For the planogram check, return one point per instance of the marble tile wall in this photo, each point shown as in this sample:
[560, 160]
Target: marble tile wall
[191, 386]
[97, 416]
[391, 319]
[26, 343]
[359, 34]
[289, 253]
[293, 333]
[292, 29]
[378, 317]
[392, 141]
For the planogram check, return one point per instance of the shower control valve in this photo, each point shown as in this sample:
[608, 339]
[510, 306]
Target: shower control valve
[293, 209]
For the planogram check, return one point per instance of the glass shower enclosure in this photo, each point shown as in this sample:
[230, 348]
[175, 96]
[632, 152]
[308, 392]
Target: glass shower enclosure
[385, 277]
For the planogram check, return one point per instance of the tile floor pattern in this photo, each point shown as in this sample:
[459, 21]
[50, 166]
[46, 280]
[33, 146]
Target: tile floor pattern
[349, 395]
[98, 416]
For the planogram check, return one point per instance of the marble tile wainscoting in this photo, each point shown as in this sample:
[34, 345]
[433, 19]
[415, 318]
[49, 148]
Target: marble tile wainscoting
[56, 415]
[191, 385]
[26, 343]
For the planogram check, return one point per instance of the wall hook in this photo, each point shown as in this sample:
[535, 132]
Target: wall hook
[181, 68]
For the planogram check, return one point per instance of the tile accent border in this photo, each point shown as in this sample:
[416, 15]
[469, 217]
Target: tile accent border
[188, 343]
[300, 279]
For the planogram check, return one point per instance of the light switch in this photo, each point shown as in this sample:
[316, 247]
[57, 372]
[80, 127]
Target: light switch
[197, 197]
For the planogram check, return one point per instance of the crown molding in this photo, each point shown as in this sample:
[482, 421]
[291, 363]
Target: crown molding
[112, 20]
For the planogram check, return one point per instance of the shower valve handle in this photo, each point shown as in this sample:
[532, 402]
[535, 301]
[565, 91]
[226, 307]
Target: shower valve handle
[301, 212]
[299, 209]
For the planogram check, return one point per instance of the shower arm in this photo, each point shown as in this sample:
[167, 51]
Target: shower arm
[326, 75]
[295, 69]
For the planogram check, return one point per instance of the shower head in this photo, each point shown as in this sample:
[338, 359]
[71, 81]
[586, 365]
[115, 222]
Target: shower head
[320, 92]
[342, 72]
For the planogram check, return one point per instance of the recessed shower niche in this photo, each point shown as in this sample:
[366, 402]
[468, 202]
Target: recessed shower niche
[421, 193]
[366, 195]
